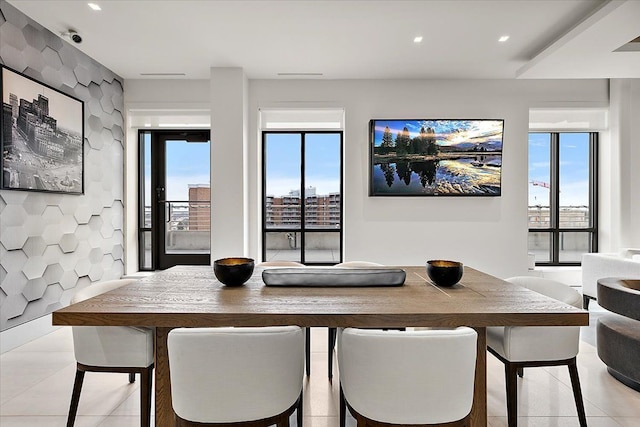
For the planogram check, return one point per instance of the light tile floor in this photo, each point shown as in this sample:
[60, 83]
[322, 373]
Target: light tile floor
[36, 380]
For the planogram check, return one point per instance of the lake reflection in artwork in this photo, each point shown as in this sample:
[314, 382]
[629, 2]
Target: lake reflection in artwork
[478, 175]
[436, 157]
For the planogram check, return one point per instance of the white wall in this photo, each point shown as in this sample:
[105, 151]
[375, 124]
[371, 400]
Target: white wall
[489, 233]
[634, 162]
[53, 244]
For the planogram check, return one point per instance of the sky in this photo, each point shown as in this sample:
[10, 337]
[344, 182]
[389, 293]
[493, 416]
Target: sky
[188, 163]
[574, 169]
[322, 163]
[448, 131]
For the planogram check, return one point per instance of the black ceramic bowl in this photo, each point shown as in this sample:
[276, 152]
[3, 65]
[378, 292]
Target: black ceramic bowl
[444, 273]
[233, 271]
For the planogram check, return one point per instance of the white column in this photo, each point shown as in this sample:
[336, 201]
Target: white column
[634, 165]
[229, 184]
[620, 174]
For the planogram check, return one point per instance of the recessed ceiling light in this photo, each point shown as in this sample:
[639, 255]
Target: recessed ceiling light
[503, 39]
[417, 39]
[94, 6]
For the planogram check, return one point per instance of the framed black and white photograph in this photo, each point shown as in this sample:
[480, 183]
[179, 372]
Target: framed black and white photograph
[42, 137]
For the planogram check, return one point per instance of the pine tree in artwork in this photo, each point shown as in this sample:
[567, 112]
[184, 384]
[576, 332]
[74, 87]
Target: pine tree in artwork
[432, 146]
[403, 140]
[424, 143]
[387, 138]
[400, 148]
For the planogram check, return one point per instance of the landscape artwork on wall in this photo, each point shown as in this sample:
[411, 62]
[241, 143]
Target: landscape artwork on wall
[435, 157]
[42, 137]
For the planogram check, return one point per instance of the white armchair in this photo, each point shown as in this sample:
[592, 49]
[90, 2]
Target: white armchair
[236, 376]
[520, 347]
[307, 331]
[112, 349]
[333, 332]
[407, 377]
[624, 264]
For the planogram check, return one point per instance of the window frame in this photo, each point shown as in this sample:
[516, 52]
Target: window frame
[555, 230]
[303, 229]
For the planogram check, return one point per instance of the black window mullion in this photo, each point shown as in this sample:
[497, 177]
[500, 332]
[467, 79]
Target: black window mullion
[302, 198]
[141, 207]
[554, 199]
[342, 193]
[593, 193]
[264, 196]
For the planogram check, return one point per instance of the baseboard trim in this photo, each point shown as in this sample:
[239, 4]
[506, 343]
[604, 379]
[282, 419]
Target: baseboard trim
[26, 332]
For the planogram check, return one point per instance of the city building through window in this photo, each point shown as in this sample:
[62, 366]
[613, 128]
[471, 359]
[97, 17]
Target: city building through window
[302, 197]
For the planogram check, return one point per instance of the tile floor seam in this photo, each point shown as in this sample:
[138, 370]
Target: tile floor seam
[585, 400]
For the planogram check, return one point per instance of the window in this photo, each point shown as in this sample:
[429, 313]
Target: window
[562, 196]
[302, 197]
[174, 204]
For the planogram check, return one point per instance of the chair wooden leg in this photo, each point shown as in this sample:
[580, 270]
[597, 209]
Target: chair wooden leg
[132, 377]
[577, 392]
[331, 345]
[343, 409]
[145, 396]
[75, 398]
[511, 380]
[299, 410]
[308, 349]
[585, 302]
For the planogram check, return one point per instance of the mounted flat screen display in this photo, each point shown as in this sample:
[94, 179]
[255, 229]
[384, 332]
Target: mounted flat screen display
[435, 157]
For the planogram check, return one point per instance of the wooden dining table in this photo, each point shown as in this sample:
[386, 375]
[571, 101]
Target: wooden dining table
[191, 296]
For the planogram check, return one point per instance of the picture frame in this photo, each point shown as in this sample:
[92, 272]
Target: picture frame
[435, 157]
[41, 136]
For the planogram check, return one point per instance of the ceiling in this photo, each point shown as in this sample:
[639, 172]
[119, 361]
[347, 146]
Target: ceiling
[336, 39]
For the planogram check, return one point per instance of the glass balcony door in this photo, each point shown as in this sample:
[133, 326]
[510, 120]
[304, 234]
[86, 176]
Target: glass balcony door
[177, 199]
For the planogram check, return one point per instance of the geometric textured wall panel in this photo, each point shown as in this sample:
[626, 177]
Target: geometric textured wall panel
[53, 244]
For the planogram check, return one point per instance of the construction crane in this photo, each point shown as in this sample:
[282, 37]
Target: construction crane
[540, 184]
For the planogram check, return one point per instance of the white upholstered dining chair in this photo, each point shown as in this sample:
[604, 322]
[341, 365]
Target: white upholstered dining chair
[112, 349]
[358, 264]
[519, 347]
[237, 376]
[331, 344]
[307, 331]
[407, 377]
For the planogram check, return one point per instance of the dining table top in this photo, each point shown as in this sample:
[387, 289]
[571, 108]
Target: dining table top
[191, 296]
